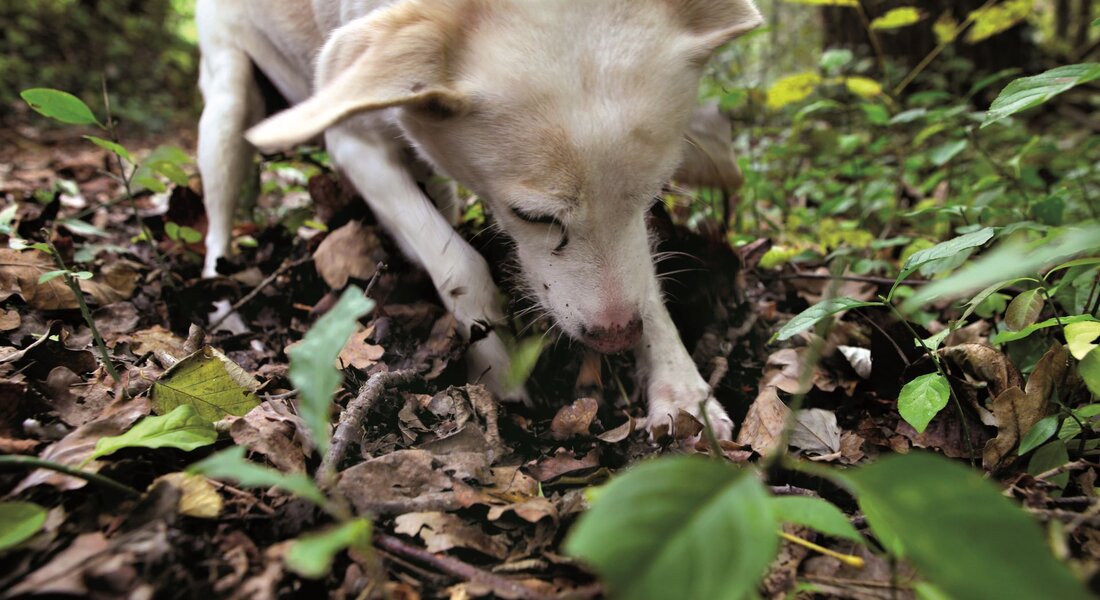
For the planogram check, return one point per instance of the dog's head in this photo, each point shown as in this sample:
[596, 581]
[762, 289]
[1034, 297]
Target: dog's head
[566, 116]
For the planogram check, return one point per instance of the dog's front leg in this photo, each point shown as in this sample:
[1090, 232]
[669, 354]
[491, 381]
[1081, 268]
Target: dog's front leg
[674, 383]
[367, 151]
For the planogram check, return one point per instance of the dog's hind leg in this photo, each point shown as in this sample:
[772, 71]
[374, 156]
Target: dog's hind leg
[367, 151]
[232, 104]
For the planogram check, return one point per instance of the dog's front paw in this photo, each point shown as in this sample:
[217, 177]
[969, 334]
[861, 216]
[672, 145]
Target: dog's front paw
[489, 364]
[668, 398]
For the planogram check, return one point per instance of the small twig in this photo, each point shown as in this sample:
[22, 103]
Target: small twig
[856, 278]
[96, 478]
[501, 586]
[1077, 465]
[352, 417]
[790, 490]
[283, 268]
[74, 287]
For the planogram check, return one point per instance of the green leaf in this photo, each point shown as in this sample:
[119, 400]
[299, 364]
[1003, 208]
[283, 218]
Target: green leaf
[958, 530]
[311, 361]
[112, 147]
[18, 522]
[815, 513]
[82, 227]
[1029, 92]
[811, 316]
[209, 382]
[682, 527]
[1070, 429]
[1006, 262]
[311, 555]
[898, 17]
[231, 465]
[1089, 369]
[942, 155]
[1004, 337]
[1081, 338]
[922, 399]
[1050, 456]
[1024, 309]
[1039, 433]
[948, 249]
[189, 235]
[835, 58]
[524, 358]
[60, 106]
[182, 428]
[169, 170]
[51, 275]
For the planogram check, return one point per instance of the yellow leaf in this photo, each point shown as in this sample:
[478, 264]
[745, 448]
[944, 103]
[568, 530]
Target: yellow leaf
[945, 28]
[792, 88]
[198, 498]
[998, 19]
[848, 3]
[863, 87]
[898, 17]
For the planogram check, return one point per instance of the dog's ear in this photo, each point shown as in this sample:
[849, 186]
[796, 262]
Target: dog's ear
[712, 23]
[396, 58]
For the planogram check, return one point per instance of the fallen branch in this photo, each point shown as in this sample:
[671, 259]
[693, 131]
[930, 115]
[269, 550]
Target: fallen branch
[500, 586]
[351, 418]
[283, 268]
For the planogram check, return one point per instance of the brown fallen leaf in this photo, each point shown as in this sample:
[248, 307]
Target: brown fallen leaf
[273, 431]
[816, 432]
[1016, 411]
[352, 251]
[618, 434]
[358, 352]
[19, 274]
[77, 402]
[985, 364]
[575, 419]
[563, 461]
[9, 319]
[400, 482]
[198, 497]
[443, 531]
[764, 423]
[64, 574]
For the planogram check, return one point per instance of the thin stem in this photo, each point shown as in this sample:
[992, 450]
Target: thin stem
[85, 311]
[96, 478]
[931, 56]
[876, 44]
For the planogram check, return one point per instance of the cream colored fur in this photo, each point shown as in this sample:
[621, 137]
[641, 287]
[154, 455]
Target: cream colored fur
[565, 116]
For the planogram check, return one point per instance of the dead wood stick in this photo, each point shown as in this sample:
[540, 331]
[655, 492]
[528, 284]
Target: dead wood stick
[351, 419]
[501, 586]
[283, 268]
[855, 278]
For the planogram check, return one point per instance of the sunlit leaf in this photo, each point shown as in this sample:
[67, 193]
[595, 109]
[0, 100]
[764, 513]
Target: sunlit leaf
[922, 399]
[60, 106]
[898, 17]
[998, 18]
[682, 527]
[208, 381]
[792, 88]
[1089, 369]
[1004, 337]
[863, 87]
[1081, 338]
[946, 28]
[311, 555]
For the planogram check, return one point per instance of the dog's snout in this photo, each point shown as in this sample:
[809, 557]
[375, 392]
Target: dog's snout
[614, 337]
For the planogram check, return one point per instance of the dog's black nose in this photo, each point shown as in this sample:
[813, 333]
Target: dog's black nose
[610, 339]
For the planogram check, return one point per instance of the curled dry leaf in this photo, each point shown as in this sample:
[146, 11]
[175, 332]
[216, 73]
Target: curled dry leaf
[816, 432]
[64, 574]
[444, 531]
[985, 364]
[1016, 411]
[764, 423]
[273, 431]
[350, 252]
[198, 498]
[563, 461]
[358, 352]
[575, 419]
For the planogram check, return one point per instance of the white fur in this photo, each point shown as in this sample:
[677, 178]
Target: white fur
[571, 109]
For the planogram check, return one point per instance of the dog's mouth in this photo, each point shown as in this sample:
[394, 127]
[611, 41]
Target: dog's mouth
[613, 339]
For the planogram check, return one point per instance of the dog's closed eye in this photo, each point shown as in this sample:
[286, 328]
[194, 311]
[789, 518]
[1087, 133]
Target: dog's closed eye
[535, 219]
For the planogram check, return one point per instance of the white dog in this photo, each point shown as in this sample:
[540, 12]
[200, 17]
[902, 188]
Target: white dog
[565, 116]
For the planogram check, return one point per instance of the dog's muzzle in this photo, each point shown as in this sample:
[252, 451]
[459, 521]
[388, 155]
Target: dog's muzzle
[614, 338]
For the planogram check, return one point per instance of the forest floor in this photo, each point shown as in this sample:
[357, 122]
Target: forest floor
[468, 499]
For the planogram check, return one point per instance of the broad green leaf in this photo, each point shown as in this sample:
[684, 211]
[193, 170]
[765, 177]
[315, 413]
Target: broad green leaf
[682, 527]
[922, 399]
[835, 58]
[1029, 92]
[112, 147]
[311, 555]
[898, 17]
[182, 428]
[1024, 309]
[815, 513]
[1004, 337]
[942, 155]
[811, 316]
[1070, 429]
[146, 178]
[1081, 338]
[1039, 433]
[51, 275]
[311, 361]
[524, 358]
[169, 170]
[1006, 262]
[1089, 369]
[82, 227]
[209, 382]
[231, 465]
[949, 248]
[18, 522]
[792, 88]
[59, 106]
[1050, 456]
[958, 530]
